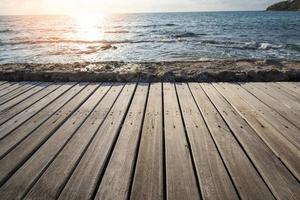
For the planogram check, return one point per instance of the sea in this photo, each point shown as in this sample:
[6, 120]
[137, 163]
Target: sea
[150, 37]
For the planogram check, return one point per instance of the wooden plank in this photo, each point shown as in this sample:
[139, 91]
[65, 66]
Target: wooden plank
[8, 105]
[280, 181]
[283, 90]
[289, 100]
[285, 127]
[16, 157]
[84, 180]
[281, 147]
[6, 85]
[214, 180]
[278, 106]
[148, 177]
[21, 181]
[18, 92]
[11, 88]
[180, 176]
[23, 116]
[9, 111]
[2, 82]
[244, 175]
[63, 165]
[290, 88]
[116, 181]
[37, 120]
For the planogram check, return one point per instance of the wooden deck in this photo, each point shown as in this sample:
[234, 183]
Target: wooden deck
[149, 140]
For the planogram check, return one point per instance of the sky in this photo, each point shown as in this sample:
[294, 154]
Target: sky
[36, 7]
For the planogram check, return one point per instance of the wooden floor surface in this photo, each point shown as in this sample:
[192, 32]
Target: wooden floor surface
[149, 140]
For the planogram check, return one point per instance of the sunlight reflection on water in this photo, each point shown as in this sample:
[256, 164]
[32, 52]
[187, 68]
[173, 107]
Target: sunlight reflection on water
[89, 26]
[149, 37]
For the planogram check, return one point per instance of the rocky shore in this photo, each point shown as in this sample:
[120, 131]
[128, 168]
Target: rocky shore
[202, 71]
[290, 5]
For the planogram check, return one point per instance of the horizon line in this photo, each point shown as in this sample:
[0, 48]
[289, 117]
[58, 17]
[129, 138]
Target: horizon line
[142, 12]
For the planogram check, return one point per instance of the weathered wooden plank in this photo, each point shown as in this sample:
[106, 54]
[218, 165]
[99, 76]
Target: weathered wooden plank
[74, 147]
[283, 90]
[278, 106]
[297, 84]
[180, 176]
[16, 157]
[275, 174]
[148, 177]
[17, 92]
[63, 165]
[23, 116]
[24, 96]
[214, 179]
[8, 112]
[19, 184]
[116, 181]
[285, 127]
[37, 120]
[280, 95]
[286, 151]
[2, 82]
[244, 175]
[11, 88]
[6, 85]
[84, 180]
[290, 88]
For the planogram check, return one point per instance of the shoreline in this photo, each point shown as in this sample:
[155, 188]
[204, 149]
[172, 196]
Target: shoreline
[200, 71]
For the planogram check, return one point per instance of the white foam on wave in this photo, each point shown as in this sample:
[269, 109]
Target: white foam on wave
[267, 46]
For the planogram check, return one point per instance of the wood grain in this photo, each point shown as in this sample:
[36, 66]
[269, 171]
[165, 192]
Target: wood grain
[148, 177]
[180, 175]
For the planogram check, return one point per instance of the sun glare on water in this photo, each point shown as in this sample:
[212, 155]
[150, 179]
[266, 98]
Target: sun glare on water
[89, 26]
[86, 14]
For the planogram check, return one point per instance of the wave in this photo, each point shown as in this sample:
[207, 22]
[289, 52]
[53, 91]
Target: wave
[157, 25]
[88, 50]
[294, 47]
[73, 52]
[212, 42]
[185, 37]
[144, 26]
[52, 41]
[267, 46]
[242, 45]
[153, 25]
[6, 30]
[188, 35]
[116, 32]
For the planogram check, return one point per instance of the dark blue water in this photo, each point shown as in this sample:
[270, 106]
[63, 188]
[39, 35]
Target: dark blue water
[150, 37]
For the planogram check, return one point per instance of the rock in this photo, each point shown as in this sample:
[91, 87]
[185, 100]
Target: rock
[107, 46]
[207, 71]
[185, 35]
[291, 5]
[170, 24]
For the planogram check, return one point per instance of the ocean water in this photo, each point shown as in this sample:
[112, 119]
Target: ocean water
[150, 37]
